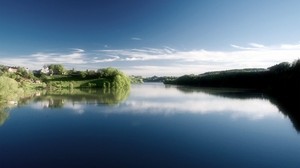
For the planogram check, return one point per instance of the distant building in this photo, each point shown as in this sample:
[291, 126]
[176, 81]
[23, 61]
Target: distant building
[12, 69]
[45, 70]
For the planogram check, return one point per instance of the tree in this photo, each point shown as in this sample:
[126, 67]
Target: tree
[114, 78]
[25, 73]
[9, 89]
[57, 69]
[280, 67]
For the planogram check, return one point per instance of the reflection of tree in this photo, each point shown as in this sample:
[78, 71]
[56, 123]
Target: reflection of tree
[286, 101]
[3, 113]
[9, 94]
[288, 104]
[56, 103]
[223, 92]
[113, 96]
[57, 99]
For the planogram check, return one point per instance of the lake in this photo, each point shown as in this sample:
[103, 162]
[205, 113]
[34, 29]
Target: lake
[152, 125]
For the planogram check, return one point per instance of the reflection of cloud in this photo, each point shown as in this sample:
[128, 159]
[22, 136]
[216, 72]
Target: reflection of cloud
[236, 108]
[158, 100]
[77, 107]
[172, 101]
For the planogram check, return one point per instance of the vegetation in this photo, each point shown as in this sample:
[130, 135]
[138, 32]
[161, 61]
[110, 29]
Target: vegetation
[136, 79]
[283, 76]
[102, 78]
[18, 80]
[56, 69]
[19, 85]
[9, 89]
[55, 76]
[159, 79]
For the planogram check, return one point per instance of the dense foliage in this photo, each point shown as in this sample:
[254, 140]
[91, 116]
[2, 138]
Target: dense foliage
[9, 89]
[56, 69]
[102, 78]
[281, 76]
[158, 79]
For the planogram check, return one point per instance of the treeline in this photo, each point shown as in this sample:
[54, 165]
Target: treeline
[280, 76]
[56, 76]
[158, 79]
[102, 78]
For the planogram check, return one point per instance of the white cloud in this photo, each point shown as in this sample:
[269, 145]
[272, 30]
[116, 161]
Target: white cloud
[37, 60]
[256, 45]
[136, 38]
[164, 61]
[290, 46]
[240, 47]
[78, 50]
[111, 59]
[178, 62]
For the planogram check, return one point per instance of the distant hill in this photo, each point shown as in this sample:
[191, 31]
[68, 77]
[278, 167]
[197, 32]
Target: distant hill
[158, 79]
[283, 76]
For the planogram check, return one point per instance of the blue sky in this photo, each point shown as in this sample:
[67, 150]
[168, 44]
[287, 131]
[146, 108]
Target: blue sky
[155, 37]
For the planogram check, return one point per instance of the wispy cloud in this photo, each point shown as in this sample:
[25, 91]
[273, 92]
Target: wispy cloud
[99, 60]
[252, 46]
[136, 38]
[78, 50]
[164, 61]
[256, 45]
[36, 60]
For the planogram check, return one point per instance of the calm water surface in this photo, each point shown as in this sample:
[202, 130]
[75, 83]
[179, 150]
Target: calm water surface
[153, 125]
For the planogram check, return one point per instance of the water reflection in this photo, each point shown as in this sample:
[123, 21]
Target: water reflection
[3, 114]
[172, 99]
[287, 102]
[11, 100]
[165, 100]
[74, 99]
[63, 98]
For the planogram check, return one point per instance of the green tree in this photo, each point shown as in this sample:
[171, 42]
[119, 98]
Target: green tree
[114, 78]
[9, 89]
[57, 69]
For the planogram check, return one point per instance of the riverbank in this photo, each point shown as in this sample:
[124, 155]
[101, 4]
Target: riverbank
[21, 84]
[283, 76]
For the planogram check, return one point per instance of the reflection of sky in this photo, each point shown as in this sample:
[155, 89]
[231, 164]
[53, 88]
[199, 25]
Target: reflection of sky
[156, 99]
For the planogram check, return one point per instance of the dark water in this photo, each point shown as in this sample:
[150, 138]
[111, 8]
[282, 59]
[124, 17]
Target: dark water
[152, 126]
